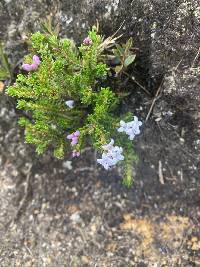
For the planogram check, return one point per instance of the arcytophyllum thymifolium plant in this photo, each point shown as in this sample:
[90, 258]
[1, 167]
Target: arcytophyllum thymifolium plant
[62, 92]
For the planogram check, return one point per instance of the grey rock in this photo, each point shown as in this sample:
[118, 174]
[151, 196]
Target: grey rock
[75, 217]
[67, 164]
[166, 32]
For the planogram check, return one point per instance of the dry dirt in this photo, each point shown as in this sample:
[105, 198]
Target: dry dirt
[75, 214]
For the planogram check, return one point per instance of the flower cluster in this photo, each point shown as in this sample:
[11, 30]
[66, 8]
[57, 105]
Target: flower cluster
[87, 41]
[130, 128]
[74, 137]
[74, 140]
[33, 66]
[111, 155]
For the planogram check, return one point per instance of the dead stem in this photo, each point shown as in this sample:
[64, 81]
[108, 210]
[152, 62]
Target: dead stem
[135, 81]
[154, 100]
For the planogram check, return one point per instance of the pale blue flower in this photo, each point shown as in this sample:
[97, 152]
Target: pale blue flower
[130, 128]
[108, 146]
[70, 103]
[111, 155]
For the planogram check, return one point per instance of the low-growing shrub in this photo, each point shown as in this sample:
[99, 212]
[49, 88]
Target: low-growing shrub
[62, 90]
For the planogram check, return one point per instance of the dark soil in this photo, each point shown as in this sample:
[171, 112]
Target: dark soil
[76, 214]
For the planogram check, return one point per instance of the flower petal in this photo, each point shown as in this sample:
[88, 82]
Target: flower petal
[69, 136]
[70, 103]
[77, 133]
[27, 67]
[36, 60]
[34, 66]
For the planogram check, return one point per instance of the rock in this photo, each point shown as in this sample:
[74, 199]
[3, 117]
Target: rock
[166, 32]
[67, 164]
[85, 259]
[75, 217]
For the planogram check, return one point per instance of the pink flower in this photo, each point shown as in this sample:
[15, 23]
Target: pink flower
[87, 41]
[77, 133]
[33, 66]
[36, 60]
[27, 67]
[75, 153]
[73, 137]
[74, 141]
[70, 136]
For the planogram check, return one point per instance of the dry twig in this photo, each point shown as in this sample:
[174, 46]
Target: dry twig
[181, 175]
[154, 100]
[134, 80]
[26, 192]
[83, 169]
[160, 172]
[197, 55]
[110, 41]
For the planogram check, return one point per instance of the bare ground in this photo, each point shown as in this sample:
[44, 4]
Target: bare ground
[75, 214]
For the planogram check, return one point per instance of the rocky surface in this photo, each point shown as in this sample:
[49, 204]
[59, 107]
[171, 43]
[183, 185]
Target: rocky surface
[83, 217]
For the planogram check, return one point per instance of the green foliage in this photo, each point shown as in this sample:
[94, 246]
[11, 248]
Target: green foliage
[5, 69]
[124, 55]
[70, 73]
[49, 27]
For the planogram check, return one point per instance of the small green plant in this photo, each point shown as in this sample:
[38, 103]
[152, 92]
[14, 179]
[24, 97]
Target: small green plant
[5, 68]
[64, 93]
[123, 55]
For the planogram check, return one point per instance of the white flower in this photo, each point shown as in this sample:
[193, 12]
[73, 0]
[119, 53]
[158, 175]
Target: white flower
[70, 103]
[111, 155]
[109, 146]
[116, 154]
[137, 122]
[130, 128]
[105, 161]
[123, 127]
